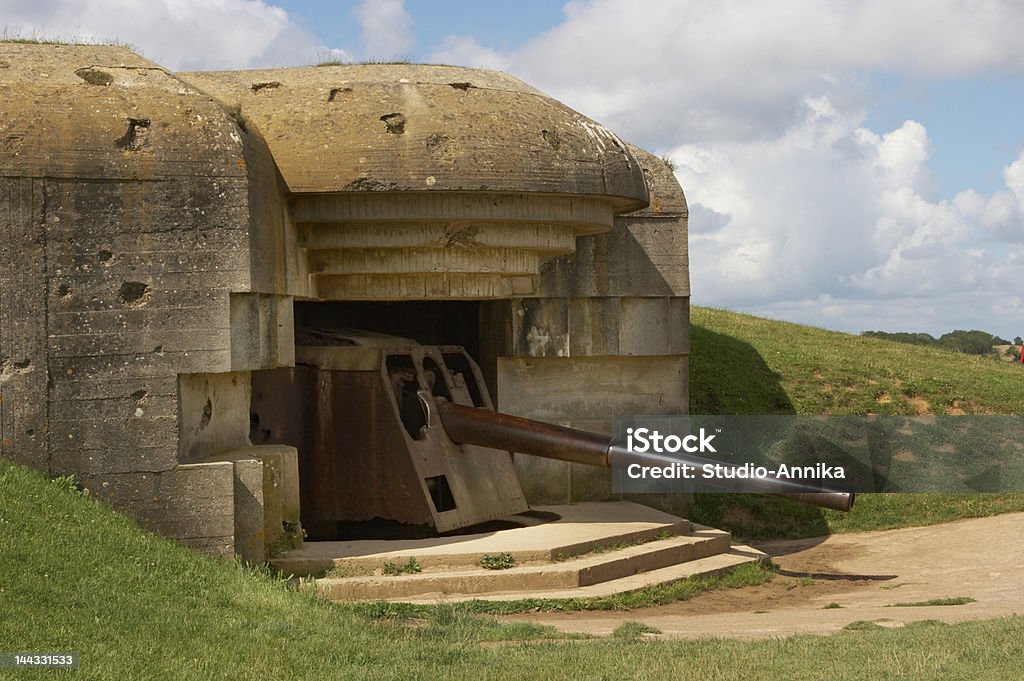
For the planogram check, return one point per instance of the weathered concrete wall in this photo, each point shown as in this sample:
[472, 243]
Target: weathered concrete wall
[266, 499]
[606, 335]
[24, 364]
[193, 503]
[213, 413]
[132, 207]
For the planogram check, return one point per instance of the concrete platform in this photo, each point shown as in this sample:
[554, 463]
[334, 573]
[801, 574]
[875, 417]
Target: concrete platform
[579, 529]
[591, 549]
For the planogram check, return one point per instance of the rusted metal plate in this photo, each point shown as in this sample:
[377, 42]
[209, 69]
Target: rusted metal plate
[360, 460]
[482, 482]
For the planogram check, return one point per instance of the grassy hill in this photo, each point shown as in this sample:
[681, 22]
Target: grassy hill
[747, 365]
[741, 364]
[77, 577]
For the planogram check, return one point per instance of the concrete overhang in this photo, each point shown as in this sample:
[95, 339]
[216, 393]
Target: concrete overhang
[413, 128]
[413, 181]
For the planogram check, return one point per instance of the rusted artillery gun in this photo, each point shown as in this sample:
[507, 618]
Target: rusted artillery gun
[470, 425]
[394, 436]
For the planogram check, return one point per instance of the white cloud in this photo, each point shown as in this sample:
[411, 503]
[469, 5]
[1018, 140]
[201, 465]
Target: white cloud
[830, 211]
[1013, 174]
[739, 69]
[796, 206]
[386, 29]
[784, 203]
[903, 152]
[180, 35]
[999, 314]
[466, 51]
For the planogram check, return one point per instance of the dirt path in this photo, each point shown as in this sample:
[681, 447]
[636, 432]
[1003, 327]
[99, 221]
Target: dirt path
[866, 574]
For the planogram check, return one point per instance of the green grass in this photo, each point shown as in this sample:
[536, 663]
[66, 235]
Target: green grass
[36, 37]
[634, 630]
[863, 625]
[761, 518]
[959, 600]
[374, 62]
[741, 364]
[34, 41]
[409, 567]
[751, 574]
[74, 576]
[497, 561]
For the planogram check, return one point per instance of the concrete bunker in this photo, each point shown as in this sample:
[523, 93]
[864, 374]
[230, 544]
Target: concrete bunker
[171, 237]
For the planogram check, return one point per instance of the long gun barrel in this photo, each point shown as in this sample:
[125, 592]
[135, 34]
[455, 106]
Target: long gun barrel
[476, 426]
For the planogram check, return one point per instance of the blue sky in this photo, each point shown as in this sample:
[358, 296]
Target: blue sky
[976, 124]
[850, 165]
[503, 25]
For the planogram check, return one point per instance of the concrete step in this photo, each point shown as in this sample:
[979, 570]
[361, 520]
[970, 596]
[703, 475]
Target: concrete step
[587, 550]
[702, 567]
[578, 530]
[545, 576]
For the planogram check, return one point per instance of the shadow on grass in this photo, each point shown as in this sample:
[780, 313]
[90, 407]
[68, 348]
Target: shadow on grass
[730, 377]
[837, 576]
[751, 517]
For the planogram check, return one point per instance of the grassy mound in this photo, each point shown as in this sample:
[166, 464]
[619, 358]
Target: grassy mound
[76, 577]
[741, 364]
[747, 365]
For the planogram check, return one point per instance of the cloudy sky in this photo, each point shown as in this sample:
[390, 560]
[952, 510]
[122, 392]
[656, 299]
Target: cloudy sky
[853, 165]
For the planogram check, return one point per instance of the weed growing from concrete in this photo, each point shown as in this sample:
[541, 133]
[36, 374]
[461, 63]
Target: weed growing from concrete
[409, 567]
[497, 561]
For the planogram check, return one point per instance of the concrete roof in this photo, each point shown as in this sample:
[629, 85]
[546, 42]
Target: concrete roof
[667, 199]
[96, 111]
[382, 127]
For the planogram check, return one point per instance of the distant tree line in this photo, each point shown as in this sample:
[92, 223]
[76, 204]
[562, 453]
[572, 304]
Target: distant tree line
[972, 342]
